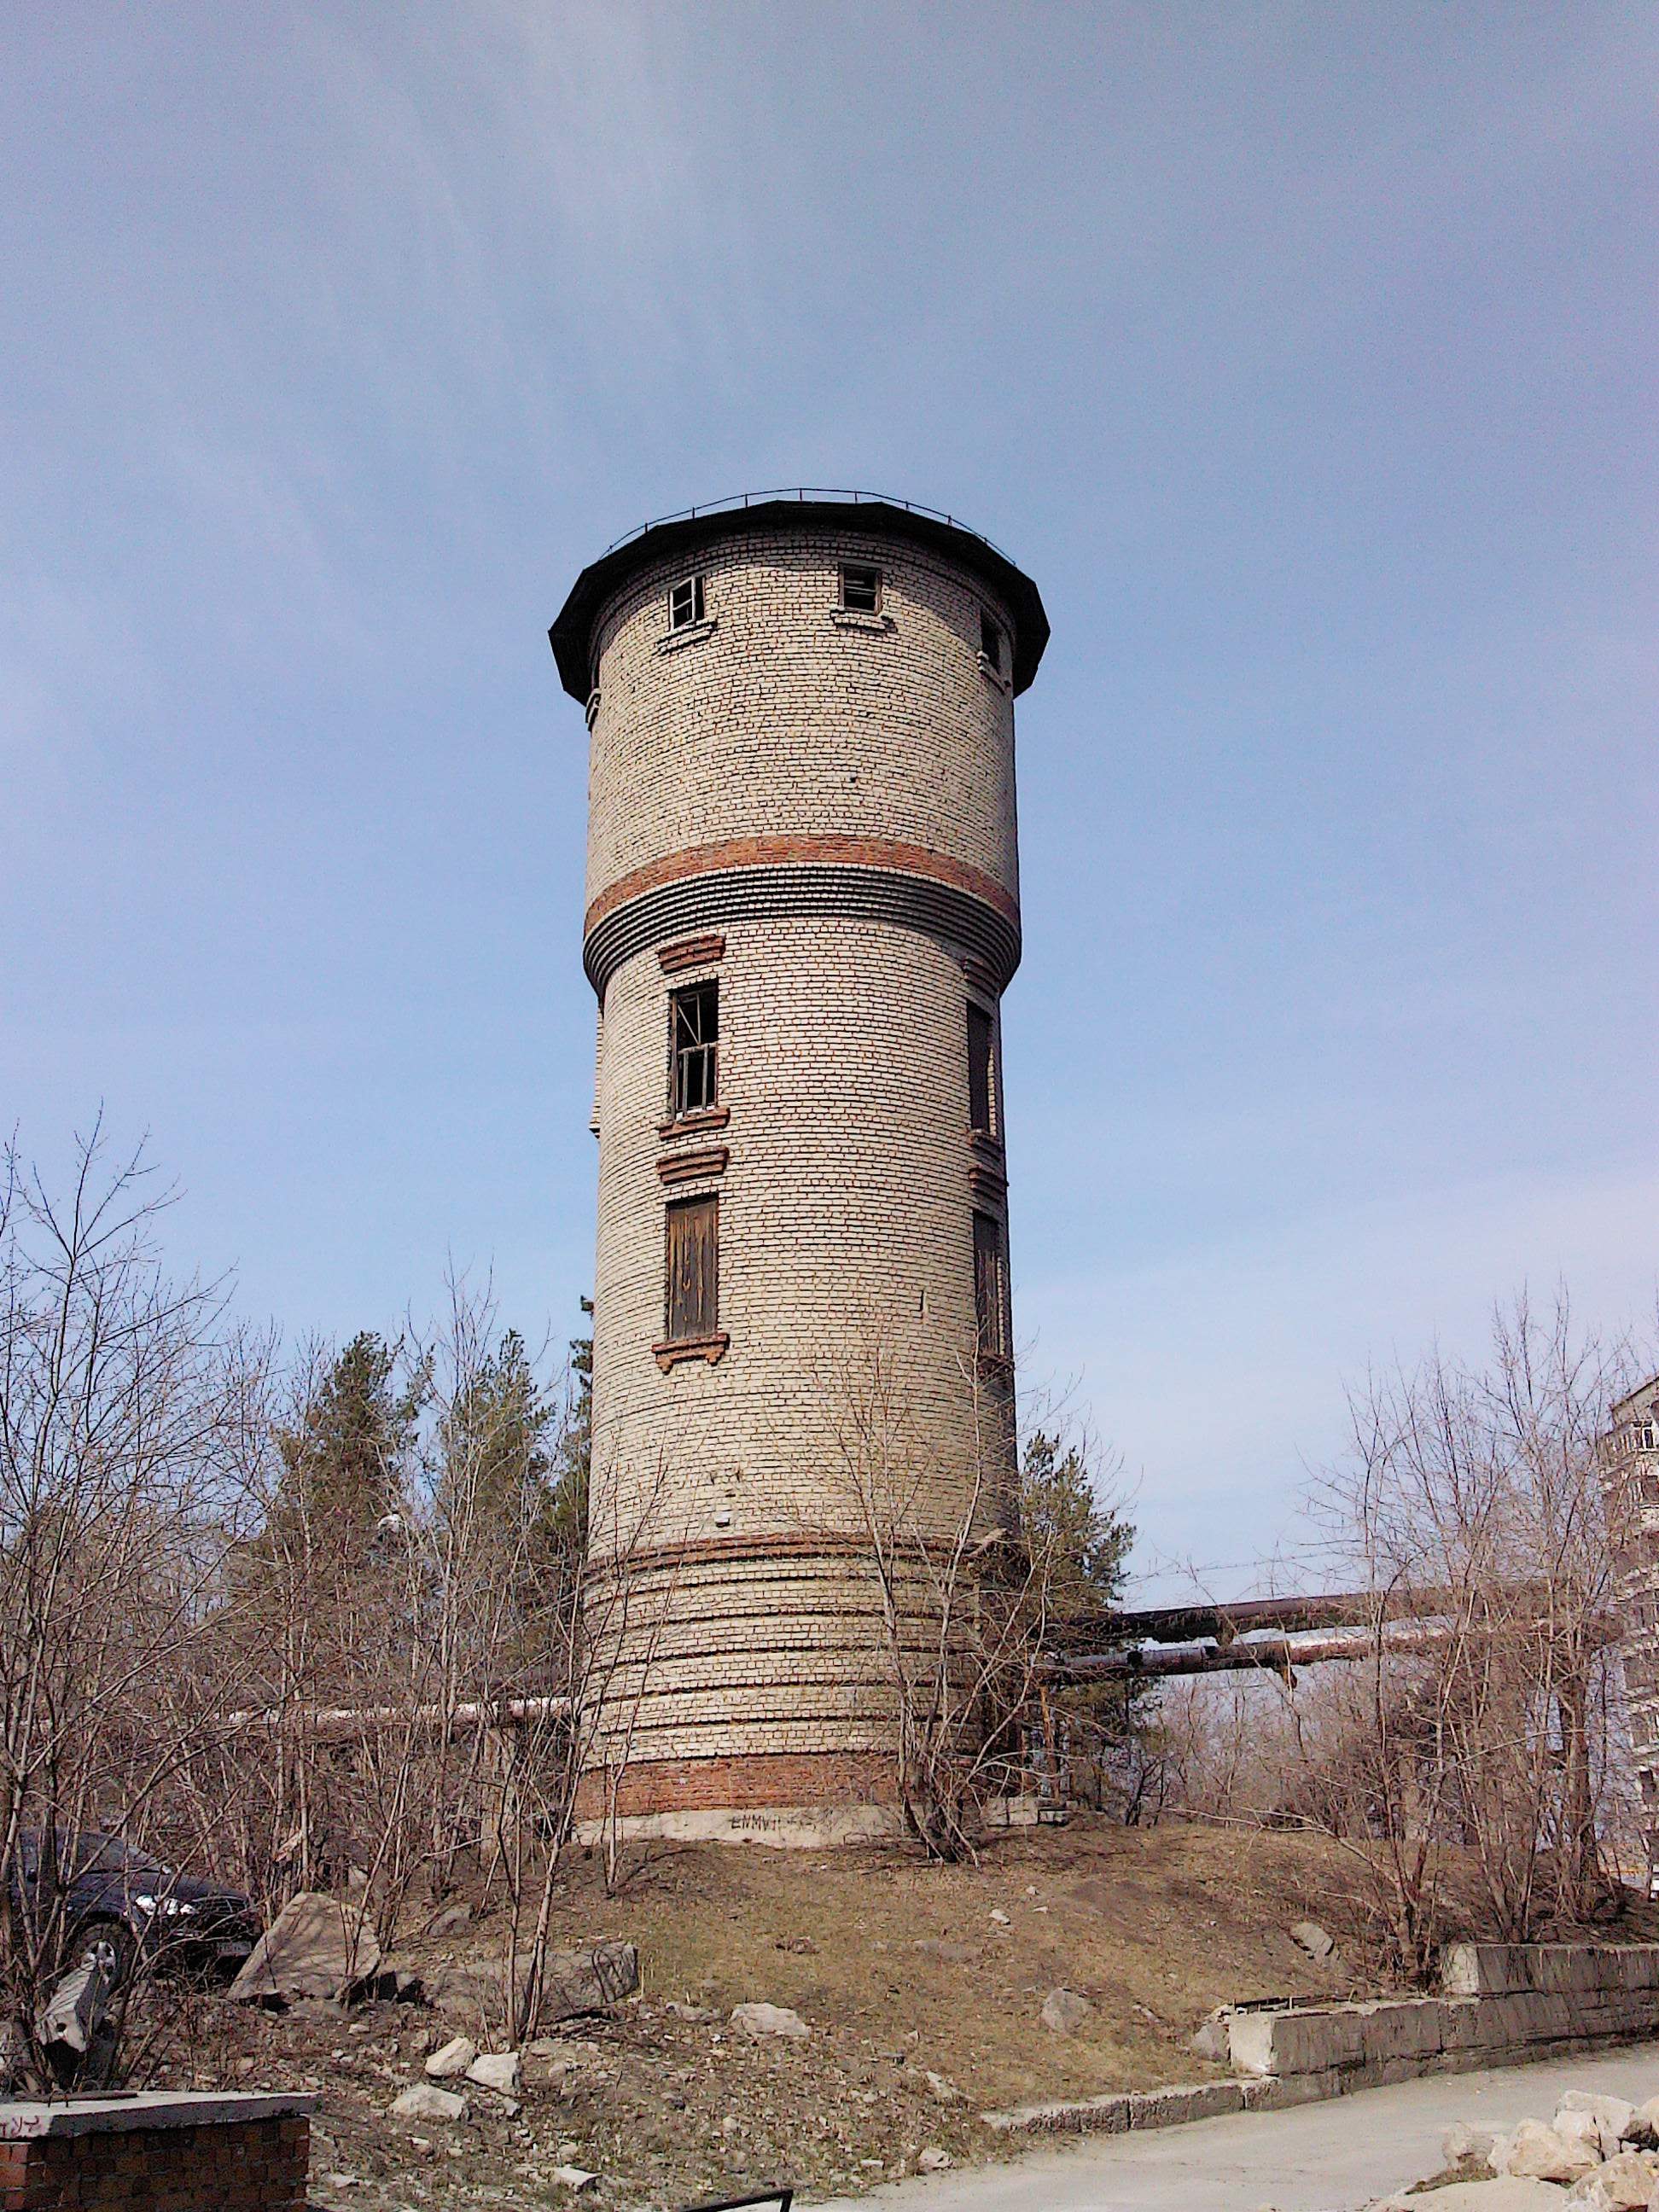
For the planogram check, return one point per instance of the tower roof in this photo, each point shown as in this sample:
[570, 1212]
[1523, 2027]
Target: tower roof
[805, 506]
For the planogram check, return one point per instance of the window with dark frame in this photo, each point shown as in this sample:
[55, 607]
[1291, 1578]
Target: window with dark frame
[693, 1037]
[860, 590]
[992, 1314]
[981, 1071]
[691, 1269]
[686, 604]
[990, 641]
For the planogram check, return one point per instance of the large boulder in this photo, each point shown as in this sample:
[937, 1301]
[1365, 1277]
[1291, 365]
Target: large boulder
[317, 1947]
[1598, 2120]
[1623, 2183]
[588, 1980]
[1318, 1942]
[1510, 2193]
[1533, 2152]
[1064, 2011]
[452, 2058]
[1643, 2127]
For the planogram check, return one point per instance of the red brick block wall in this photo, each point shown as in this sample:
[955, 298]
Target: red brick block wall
[248, 2165]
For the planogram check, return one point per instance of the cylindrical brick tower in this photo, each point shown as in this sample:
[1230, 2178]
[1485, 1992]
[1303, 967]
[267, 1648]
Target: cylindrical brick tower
[802, 911]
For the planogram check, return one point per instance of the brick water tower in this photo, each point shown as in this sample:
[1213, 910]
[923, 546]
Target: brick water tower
[802, 911]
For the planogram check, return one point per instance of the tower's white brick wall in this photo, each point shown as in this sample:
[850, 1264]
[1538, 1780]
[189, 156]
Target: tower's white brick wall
[781, 720]
[790, 750]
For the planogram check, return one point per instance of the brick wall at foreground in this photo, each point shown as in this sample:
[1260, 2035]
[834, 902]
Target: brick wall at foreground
[127, 2162]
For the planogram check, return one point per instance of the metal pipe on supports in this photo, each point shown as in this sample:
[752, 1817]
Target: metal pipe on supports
[1405, 1639]
[342, 1723]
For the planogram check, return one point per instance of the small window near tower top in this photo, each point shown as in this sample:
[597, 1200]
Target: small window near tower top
[686, 604]
[990, 641]
[693, 1032]
[860, 590]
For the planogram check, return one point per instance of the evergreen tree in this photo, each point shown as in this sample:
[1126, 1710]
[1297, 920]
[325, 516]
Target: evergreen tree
[575, 1459]
[1087, 1543]
[345, 1464]
[494, 1462]
[1086, 1546]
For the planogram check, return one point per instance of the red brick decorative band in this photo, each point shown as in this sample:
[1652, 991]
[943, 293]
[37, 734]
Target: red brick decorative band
[739, 1785]
[743, 879]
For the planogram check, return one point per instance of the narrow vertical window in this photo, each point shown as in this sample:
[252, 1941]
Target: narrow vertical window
[694, 1033]
[991, 1307]
[685, 603]
[990, 641]
[692, 1269]
[981, 1071]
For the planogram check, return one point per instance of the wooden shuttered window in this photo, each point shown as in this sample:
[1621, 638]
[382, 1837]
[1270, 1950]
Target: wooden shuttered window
[692, 1269]
[991, 1303]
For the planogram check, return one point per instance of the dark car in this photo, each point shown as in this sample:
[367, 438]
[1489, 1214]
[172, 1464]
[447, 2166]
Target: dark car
[121, 1907]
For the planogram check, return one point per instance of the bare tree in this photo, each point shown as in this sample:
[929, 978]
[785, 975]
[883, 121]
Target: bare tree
[961, 1602]
[129, 1409]
[1474, 1496]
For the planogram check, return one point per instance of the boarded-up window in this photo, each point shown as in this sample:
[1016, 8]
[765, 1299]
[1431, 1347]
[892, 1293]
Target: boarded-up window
[991, 1308]
[982, 1079]
[694, 1035]
[692, 1268]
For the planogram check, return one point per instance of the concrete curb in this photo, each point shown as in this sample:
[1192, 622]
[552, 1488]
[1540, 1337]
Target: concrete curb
[1507, 2005]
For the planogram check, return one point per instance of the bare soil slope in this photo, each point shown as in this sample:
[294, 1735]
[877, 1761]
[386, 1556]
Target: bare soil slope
[902, 1972]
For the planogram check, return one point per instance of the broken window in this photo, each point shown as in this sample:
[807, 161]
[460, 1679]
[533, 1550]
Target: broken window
[686, 604]
[981, 1071]
[992, 1314]
[990, 641]
[694, 1031]
[860, 590]
[692, 1269]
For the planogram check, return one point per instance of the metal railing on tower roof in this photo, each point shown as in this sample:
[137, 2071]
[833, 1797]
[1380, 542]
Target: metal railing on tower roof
[804, 492]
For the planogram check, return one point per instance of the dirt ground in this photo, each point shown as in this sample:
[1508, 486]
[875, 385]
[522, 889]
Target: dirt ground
[903, 1971]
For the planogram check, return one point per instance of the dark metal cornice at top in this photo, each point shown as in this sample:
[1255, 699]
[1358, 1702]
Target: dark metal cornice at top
[806, 504]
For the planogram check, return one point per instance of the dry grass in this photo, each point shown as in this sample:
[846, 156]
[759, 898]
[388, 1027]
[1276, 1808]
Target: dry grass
[901, 1969]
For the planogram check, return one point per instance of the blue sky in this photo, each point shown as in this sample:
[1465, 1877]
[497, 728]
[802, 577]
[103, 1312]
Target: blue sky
[1304, 355]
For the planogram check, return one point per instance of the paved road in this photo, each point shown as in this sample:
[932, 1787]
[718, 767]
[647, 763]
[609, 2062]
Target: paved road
[1315, 2158]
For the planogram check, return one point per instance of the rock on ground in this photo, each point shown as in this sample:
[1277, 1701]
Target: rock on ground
[1510, 2193]
[317, 1947]
[1064, 2011]
[1625, 2183]
[574, 1982]
[934, 2159]
[1462, 2142]
[1213, 2041]
[1598, 2120]
[1643, 2126]
[768, 2020]
[1316, 1941]
[1533, 2152]
[422, 2101]
[574, 2177]
[496, 2069]
[454, 2057]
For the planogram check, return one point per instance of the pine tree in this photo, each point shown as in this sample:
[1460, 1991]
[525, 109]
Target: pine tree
[1084, 1547]
[346, 1463]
